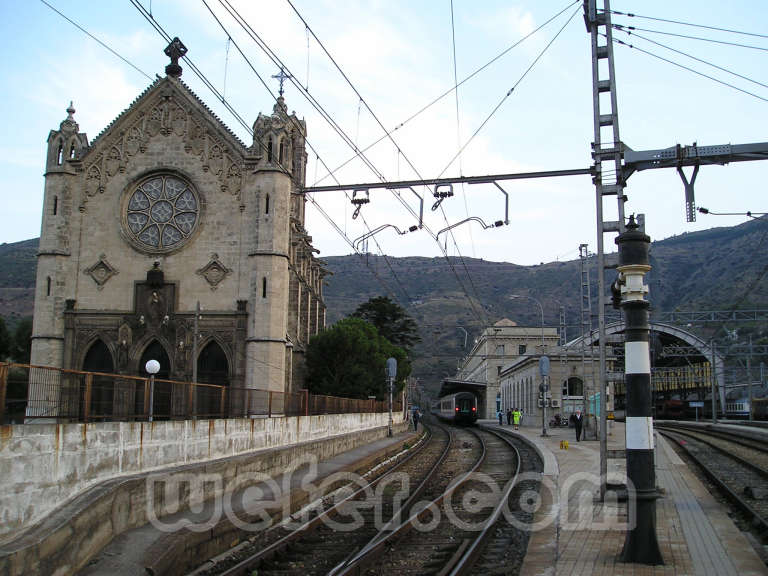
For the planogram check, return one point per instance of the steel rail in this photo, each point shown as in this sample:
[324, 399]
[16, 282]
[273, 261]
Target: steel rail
[376, 547]
[461, 561]
[730, 493]
[470, 555]
[249, 563]
[745, 441]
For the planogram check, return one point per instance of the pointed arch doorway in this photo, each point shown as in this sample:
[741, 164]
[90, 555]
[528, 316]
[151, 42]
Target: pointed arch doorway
[99, 359]
[212, 368]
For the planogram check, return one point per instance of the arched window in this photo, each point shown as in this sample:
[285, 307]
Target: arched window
[573, 387]
[55, 205]
[99, 359]
[264, 287]
[60, 155]
[281, 150]
[72, 151]
[48, 286]
[269, 149]
[266, 205]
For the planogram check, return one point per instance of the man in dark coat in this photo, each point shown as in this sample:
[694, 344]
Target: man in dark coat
[578, 422]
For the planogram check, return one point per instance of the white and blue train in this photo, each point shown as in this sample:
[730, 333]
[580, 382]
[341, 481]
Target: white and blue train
[458, 408]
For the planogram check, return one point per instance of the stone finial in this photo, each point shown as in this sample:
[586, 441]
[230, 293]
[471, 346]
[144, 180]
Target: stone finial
[174, 51]
[69, 122]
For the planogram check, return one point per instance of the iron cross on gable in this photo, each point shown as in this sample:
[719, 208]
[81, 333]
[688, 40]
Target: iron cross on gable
[174, 51]
[282, 77]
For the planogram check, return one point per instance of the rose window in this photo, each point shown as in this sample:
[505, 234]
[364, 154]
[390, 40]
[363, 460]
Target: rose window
[162, 213]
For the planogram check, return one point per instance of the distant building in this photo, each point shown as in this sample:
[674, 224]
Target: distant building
[164, 210]
[494, 349]
[503, 368]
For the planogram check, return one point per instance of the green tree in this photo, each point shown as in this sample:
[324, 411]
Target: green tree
[5, 341]
[349, 360]
[22, 342]
[391, 320]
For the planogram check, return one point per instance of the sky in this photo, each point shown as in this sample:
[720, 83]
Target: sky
[530, 110]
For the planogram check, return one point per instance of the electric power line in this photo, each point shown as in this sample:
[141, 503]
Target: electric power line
[631, 15]
[727, 71]
[689, 69]
[76, 25]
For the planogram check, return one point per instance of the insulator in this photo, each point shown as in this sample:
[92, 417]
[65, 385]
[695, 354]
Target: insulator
[360, 197]
[443, 191]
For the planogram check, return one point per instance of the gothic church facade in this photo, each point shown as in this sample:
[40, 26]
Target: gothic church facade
[166, 213]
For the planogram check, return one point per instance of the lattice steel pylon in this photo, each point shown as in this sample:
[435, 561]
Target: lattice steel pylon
[608, 178]
[586, 326]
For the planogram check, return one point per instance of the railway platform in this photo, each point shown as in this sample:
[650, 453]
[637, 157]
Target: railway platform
[576, 534]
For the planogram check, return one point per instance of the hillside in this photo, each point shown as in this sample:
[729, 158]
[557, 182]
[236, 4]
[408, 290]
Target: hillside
[18, 266]
[720, 268]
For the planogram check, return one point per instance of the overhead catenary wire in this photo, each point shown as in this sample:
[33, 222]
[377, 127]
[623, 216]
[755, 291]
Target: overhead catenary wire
[449, 90]
[689, 37]
[278, 62]
[687, 68]
[204, 79]
[381, 176]
[103, 44]
[388, 135]
[682, 23]
[510, 91]
[621, 28]
[458, 122]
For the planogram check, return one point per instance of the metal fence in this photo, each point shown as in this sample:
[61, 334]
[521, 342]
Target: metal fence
[41, 392]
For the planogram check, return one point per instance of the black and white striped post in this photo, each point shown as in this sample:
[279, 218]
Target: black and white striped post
[640, 545]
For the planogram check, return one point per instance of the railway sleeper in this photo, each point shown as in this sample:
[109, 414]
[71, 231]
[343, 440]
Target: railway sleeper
[756, 492]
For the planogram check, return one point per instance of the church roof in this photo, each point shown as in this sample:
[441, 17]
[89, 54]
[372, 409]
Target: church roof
[177, 84]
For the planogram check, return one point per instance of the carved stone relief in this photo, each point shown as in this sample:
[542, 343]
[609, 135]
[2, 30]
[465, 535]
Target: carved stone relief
[214, 272]
[101, 271]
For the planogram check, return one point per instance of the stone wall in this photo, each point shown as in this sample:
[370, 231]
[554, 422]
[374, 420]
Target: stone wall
[45, 465]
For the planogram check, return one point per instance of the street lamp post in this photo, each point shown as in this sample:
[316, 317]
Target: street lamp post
[152, 367]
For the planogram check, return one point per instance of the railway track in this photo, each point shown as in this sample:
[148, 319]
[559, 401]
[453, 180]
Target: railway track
[341, 523]
[739, 471]
[469, 529]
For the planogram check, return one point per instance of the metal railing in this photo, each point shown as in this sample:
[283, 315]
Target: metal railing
[78, 396]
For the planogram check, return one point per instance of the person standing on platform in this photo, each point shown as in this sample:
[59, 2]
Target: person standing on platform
[509, 416]
[578, 421]
[500, 414]
[516, 418]
[416, 417]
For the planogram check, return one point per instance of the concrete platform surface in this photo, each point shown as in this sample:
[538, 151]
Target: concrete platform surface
[586, 536]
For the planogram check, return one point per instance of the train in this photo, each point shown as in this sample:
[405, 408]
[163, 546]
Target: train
[459, 408]
[737, 407]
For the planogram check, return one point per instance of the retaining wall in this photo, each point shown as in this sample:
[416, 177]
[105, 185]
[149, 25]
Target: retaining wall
[44, 465]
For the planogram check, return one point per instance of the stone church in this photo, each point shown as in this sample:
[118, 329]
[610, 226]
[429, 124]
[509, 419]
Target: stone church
[168, 212]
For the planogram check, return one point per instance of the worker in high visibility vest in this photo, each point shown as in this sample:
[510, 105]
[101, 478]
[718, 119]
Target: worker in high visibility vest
[516, 418]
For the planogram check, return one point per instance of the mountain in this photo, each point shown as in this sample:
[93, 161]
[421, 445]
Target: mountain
[18, 266]
[716, 269]
[453, 299]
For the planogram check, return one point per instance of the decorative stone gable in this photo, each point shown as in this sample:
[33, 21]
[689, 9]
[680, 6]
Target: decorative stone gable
[165, 112]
